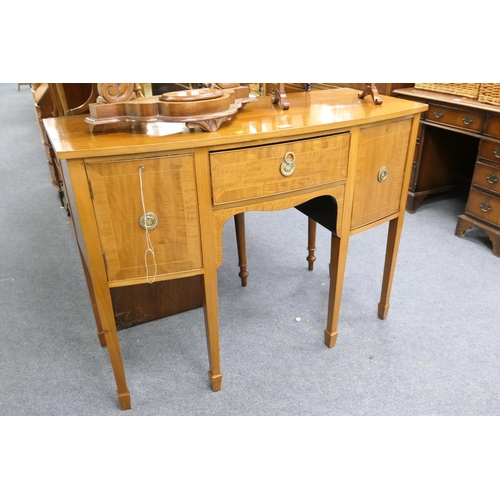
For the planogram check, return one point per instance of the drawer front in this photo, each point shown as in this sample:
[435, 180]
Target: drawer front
[382, 156]
[466, 120]
[484, 206]
[487, 177]
[256, 173]
[489, 150]
[169, 192]
[492, 126]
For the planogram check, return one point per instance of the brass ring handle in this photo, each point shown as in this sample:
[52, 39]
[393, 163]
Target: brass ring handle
[485, 207]
[496, 152]
[439, 113]
[467, 120]
[382, 174]
[287, 166]
[148, 221]
[491, 178]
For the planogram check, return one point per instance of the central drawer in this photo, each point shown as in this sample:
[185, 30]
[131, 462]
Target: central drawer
[464, 119]
[258, 172]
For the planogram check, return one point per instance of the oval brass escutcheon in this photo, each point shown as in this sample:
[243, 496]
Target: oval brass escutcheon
[148, 221]
[382, 174]
[287, 166]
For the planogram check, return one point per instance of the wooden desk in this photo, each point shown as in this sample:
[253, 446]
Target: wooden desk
[459, 145]
[351, 163]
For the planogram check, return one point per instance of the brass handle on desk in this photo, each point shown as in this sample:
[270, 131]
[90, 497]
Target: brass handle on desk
[485, 207]
[382, 174]
[496, 152]
[287, 166]
[467, 120]
[439, 113]
[148, 221]
[491, 178]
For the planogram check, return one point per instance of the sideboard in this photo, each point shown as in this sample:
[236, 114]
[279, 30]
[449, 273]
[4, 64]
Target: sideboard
[458, 145]
[149, 201]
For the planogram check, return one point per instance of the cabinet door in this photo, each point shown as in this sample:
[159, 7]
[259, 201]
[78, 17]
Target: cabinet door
[382, 155]
[169, 192]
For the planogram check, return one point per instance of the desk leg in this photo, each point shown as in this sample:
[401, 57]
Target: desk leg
[338, 261]
[393, 239]
[210, 309]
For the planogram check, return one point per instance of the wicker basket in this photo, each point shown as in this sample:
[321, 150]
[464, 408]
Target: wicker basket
[489, 93]
[462, 89]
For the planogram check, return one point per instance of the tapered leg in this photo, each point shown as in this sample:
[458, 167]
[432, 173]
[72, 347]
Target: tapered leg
[311, 243]
[391, 253]
[338, 261]
[210, 308]
[239, 224]
[117, 365]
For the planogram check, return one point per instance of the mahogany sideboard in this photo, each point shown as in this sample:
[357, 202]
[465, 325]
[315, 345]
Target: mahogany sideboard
[458, 145]
[341, 159]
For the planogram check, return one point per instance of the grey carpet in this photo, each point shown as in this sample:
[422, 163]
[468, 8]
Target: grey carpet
[437, 353]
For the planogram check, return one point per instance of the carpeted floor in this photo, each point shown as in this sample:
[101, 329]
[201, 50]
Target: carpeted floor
[437, 353]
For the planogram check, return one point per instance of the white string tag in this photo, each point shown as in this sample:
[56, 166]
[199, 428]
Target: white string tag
[149, 243]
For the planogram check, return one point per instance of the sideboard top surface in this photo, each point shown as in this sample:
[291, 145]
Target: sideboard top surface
[310, 112]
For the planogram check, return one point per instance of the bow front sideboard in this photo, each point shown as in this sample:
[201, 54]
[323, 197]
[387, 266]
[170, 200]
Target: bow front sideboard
[149, 201]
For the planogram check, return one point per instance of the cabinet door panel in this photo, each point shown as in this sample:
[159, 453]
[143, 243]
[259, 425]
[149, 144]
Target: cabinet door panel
[169, 192]
[380, 147]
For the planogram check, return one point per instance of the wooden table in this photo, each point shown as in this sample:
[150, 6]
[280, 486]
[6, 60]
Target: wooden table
[342, 160]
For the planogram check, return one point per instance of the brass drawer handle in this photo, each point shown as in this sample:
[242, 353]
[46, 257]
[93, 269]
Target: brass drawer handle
[496, 152]
[382, 174]
[485, 207]
[467, 120]
[287, 166]
[439, 113]
[148, 221]
[491, 178]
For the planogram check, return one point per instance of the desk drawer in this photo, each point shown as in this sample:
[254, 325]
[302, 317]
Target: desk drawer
[487, 177]
[492, 126]
[465, 120]
[489, 150]
[484, 206]
[255, 173]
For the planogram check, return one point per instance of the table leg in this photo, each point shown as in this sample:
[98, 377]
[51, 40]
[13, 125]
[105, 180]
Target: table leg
[338, 262]
[393, 239]
[210, 309]
[311, 242]
[239, 224]
[117, 365]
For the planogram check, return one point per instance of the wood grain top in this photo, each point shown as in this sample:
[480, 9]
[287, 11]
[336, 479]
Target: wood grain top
[439, 97]
[309, 113]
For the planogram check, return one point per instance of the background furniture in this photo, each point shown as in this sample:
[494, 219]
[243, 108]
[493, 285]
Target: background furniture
[266, 159]
[458, 145]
